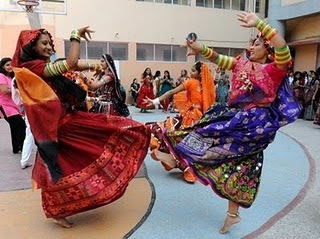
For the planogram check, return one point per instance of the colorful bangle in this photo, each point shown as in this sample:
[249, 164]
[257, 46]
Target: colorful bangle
[266, 29]
[94, 67]
[206, 52]
[282, 55]
[75, 36]
[225, 62]
[57, 68]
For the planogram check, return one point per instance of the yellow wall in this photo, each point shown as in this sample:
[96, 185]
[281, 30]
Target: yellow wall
[306, 28]
[306, 58]
[303, 28]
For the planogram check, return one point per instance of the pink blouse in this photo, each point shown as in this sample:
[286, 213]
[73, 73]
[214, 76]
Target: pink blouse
[6, 102]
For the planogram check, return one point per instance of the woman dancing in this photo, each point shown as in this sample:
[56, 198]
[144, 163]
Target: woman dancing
[84, 160]
[146, 90]
[193, 97]
[110, 97]
[225, 148]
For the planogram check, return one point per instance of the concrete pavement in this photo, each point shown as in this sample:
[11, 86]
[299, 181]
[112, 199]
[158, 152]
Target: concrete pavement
[286, 207]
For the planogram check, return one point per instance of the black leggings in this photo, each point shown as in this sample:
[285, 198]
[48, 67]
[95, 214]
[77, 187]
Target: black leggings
[17, 129]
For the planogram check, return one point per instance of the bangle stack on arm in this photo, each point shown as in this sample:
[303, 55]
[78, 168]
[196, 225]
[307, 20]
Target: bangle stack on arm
[57, 68]
[206, 52]
[75, 36]
[266, 29]
[225, 62]
[282, 55]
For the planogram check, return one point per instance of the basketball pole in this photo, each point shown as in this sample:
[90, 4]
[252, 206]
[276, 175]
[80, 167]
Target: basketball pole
[34, 20]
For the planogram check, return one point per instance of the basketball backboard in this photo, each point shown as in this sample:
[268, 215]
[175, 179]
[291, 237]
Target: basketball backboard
[58, 7]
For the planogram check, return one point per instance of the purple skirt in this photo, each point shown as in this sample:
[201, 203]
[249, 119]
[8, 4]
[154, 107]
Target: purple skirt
[225, 148]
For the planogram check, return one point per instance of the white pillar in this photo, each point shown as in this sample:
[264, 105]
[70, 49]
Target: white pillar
[34, 20]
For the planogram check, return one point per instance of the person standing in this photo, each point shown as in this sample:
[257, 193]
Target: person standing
[146, 90]
[223, 87]
[134, 89]
[309, 100]
[8, 109]
[166, 84]
[182, 78]
[28, 142]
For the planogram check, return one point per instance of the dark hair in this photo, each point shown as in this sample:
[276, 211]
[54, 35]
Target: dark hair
[145, 74]
[316, 77]
[185, 72]
[197, 65]
[134, 79]
[168, 74]
[119, 101]
[110, 63]
[295, 75]
[267, 45]
[28, 52]
[4, 61]
[158, 73]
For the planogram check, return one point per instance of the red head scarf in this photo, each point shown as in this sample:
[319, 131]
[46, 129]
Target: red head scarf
[25, 38]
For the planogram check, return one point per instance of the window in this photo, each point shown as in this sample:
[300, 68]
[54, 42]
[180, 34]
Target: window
[257, 7]
[94, 50]
[182, 2]
[204, 3]
[223, 4]
[239, 5]
[179, 53]
[119, 51]
[83, 48]
[178, 2]
[236, 52]
[145, 52]
[161, 52]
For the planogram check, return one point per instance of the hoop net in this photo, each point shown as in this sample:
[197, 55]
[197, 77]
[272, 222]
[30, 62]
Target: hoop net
[28, 5]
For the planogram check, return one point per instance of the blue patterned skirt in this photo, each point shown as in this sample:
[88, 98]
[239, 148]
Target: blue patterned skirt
[225, 148]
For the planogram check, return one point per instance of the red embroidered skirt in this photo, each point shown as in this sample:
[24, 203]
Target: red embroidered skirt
[99, 155]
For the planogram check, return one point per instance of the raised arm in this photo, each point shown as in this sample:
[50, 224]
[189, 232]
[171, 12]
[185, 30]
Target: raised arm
[226, 62]
[282, 51]
[71, 63]
[166, 95]
[94, 84]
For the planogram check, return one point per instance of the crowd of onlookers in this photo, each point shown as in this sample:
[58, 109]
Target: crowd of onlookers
[306, 88]
[305, 85]
[152, 86]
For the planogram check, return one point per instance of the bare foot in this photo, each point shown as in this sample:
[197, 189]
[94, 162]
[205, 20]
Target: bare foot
[62, 222]
[229, 221]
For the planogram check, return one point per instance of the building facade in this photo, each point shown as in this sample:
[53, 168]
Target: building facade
[299, 22]
[141, 33]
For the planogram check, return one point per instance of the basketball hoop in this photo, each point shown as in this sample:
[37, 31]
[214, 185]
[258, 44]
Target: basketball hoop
[28, 5]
